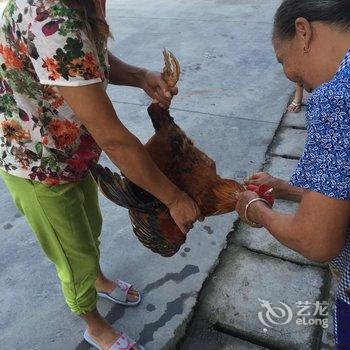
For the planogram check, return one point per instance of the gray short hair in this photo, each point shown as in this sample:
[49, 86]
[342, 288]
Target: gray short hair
[334, 12]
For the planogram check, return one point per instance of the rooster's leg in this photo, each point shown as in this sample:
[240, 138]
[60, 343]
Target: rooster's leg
[171, 71]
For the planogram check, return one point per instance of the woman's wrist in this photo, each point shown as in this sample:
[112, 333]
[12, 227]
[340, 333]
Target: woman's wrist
[248, 206]
[286, 191]
[140, 77]
[282, 189]
[171, 195]
[256, 211]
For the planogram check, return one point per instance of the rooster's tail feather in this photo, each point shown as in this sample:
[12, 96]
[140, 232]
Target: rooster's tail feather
[117, 189]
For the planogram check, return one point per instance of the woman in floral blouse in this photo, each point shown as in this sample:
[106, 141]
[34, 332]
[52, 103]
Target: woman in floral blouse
[55, 118]
[312, 42]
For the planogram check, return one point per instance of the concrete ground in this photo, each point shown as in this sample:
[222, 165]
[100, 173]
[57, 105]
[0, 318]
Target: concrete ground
[232, 97]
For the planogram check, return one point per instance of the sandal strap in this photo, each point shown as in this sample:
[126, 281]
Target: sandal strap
[121, 291]
[119, 294]
[123, 343]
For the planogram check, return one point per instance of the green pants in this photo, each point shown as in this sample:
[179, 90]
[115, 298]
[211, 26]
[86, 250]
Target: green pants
[67, 222]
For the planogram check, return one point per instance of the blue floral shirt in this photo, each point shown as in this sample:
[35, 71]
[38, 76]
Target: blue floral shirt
[324, 166]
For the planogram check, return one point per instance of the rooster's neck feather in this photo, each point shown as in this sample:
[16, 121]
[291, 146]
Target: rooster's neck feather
[159, 116]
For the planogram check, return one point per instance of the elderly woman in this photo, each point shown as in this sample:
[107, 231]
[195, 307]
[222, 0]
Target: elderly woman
[55, 118]
[312, 41]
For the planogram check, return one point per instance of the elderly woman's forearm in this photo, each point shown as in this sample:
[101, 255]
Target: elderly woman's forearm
[280, 226]
[288, 192]
[295, 235]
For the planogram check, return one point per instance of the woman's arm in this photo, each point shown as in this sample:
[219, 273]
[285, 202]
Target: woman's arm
[281, 189]
[125, 74]
[151, 82]
[284, 190]
[94, 109]
[317, 230]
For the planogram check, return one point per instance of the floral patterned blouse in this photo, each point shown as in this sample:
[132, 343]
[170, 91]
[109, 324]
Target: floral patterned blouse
[324, 166]
[44, 44]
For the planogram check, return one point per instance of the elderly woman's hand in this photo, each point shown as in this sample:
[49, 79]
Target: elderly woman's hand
[262, 178]
[243, 199]
[156, 88]
[281, 188]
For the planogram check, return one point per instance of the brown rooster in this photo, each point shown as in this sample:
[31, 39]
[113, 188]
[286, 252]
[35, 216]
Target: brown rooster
[184, 164]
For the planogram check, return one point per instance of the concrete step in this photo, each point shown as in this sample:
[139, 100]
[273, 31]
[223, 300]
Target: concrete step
[281, 167]
[296, 120]
[230, 300]
[289, 143]
[203, 338]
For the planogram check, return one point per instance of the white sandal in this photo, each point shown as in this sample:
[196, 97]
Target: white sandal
[124, 342]
[296, 105]
[119, 295]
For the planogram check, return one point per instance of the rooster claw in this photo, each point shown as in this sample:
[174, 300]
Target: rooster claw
[171, 70]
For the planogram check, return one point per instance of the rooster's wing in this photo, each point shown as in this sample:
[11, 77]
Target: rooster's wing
[151, 221]
[157, 231]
